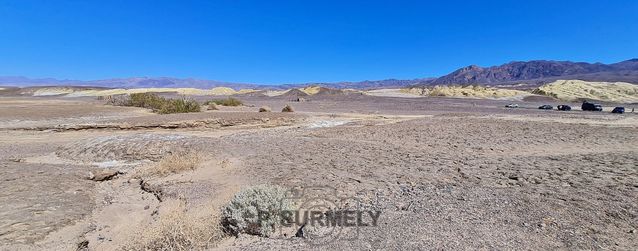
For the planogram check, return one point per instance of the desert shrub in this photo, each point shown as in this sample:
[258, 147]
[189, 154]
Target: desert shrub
[156, 103]
[118, 100]
[173, 163]
[178, 106]
[226, 102]
[540, 92]
[179, 229]
[146, 100]
[265, 109]
[287, 108]
[438, 91]
[241, 215]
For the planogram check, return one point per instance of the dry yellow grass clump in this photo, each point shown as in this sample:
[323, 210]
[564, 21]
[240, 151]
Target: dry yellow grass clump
[473, 91]
[570, 90]
[173, 163]
[180, 229]
[287, 108]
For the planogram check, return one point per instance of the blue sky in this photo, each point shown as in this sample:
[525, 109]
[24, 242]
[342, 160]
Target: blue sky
[304, 41]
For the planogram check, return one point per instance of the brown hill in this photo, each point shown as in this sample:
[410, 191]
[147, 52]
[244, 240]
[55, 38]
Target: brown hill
[539, 72]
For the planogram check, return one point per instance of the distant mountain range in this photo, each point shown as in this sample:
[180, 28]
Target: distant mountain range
[164, 82]
[138, 82]
[522, 74]
[538, 72]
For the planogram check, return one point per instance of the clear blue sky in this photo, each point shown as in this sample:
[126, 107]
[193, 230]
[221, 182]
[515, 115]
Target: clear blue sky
[304, 41]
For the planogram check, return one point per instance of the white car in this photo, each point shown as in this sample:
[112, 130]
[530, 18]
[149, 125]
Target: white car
[512, 106]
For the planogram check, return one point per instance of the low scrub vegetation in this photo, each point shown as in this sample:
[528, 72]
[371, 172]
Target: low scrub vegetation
[212, 106]
[226, 102]
[173, 163]
[287, 108]
[157, 103]
[180, 229]
[241, 214]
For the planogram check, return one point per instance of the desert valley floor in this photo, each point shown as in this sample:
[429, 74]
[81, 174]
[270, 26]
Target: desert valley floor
[446, 173]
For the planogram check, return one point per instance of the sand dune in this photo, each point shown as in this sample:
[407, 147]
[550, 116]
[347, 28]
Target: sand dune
[311, 90]
[52, 91]
[570, 90]
[467, 91]
[393, 93]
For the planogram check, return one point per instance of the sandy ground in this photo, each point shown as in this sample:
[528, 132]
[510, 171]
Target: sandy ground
[445, 173]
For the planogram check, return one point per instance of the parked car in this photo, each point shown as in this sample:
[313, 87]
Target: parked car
[545, 107]
[511, 105]
[618, 109]
[564, 108]
[587, 106]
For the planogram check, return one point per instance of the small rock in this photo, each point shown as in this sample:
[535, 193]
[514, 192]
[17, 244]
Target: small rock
[147, 207]
[287, 108]
[19, 160]
[102, 175]
[135, 181]
[265, 109]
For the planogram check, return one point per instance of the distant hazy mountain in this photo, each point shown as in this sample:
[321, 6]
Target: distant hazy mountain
[141, 82]
[539, 72]
[527, 74]
[145, 82]
[24, 81]
[368, 84]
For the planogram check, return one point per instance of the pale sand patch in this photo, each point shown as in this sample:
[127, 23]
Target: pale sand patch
[570, 90]
[275, 93]
[70, 92]
[327, 123]
[52, 91]
[398, 93]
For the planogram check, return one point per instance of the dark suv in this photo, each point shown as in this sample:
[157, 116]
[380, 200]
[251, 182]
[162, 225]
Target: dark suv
[564, 108]
[618, 109]
[587, 106]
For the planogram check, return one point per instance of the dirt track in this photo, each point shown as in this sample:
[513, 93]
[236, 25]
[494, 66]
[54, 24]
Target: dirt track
[445, 173]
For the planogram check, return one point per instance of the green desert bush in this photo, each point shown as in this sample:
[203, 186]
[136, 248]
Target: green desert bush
[226, 102]
[179, 106]
[158, 104]
[146, 100]
[241, 215]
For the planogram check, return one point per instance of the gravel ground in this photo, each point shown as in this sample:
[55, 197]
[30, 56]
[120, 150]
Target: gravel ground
[444, 173]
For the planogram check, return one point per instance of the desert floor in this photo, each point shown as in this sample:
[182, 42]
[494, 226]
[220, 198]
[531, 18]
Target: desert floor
[445, 173]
